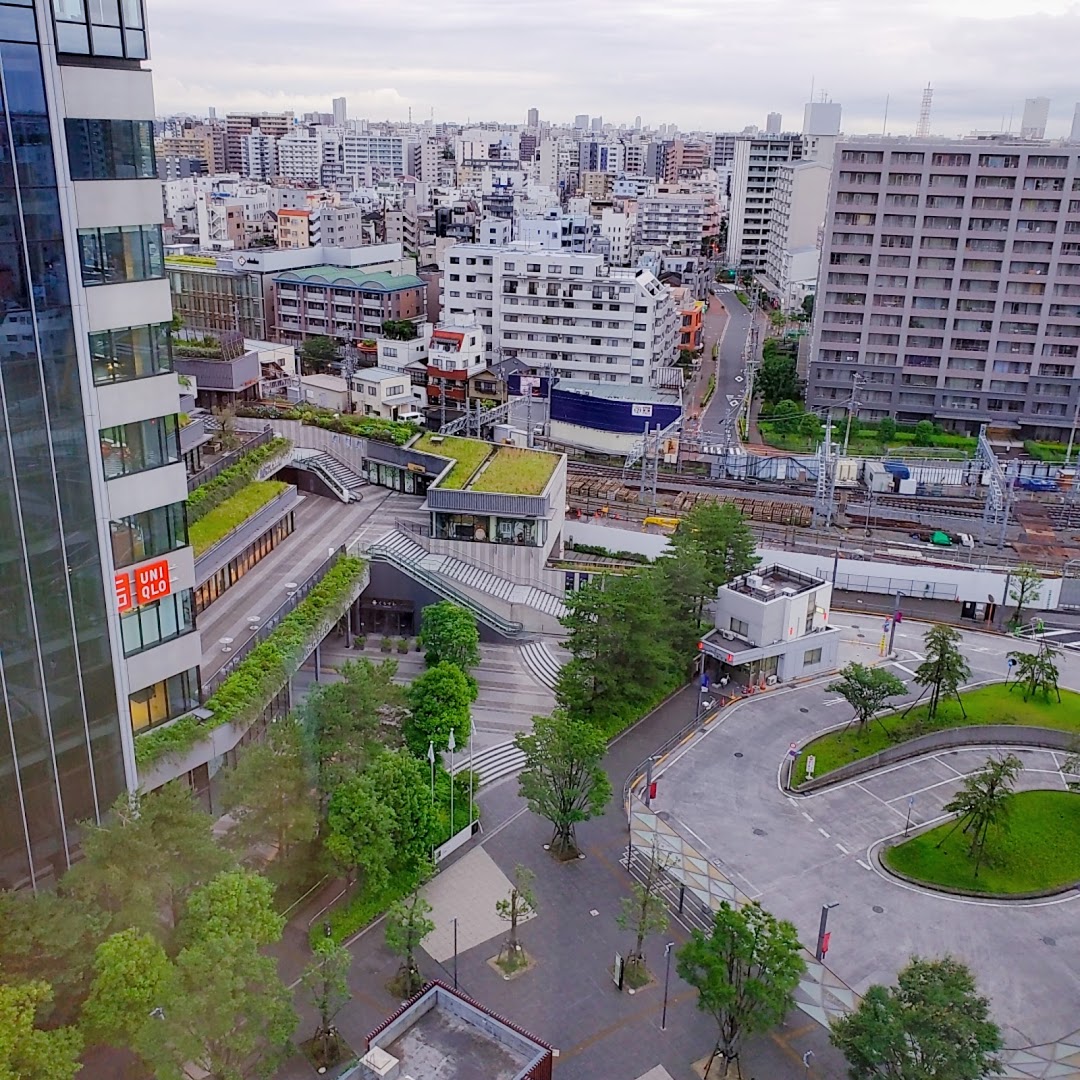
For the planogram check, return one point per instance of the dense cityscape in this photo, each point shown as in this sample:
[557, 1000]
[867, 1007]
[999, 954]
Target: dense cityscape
[566, 598]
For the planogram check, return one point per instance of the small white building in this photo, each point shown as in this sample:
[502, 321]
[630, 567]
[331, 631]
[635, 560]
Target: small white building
[325, 391]
[382, 393]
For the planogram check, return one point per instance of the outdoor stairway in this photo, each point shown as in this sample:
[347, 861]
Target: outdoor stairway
[347, 484]
[494, 763]
[542, 663]
[401, 549]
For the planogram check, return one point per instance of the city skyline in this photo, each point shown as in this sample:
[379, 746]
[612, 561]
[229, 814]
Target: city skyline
[1003, 59]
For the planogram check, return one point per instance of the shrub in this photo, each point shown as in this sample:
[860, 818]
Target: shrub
[363, 427]
[229, 481]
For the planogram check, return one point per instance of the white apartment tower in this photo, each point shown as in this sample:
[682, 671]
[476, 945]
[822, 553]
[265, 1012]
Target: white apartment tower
[1036, 112]
[96, 575]
[341, 112]
[757, 162]
[567, 312]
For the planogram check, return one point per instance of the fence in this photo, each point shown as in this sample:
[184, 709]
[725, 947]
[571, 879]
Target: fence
[203, 476]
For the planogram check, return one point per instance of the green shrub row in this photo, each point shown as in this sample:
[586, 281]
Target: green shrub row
[229, 481]
[607, 553]
[364, 908]
[364, 427]
[248, 689]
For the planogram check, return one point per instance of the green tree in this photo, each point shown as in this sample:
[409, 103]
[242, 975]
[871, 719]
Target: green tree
[142, 863]
[448, 632]
[400, 783]
[810, 427]
[399, 329]
[316, 353]
[866, 689]
[944, 670]
[347, 722]
[682, 582]
[808, 306]
[519, 905]
[269, 795]
[1036, 672]
[26, 1051]
[720, 533]
[327, 983]
[777, 378]
[886, 429]
[360, 832]
[924, 433]
[439, 703]
[785, 415]
[983, 800]
[407, 924]
[132, 977]
[1026, 586]
[562, 779]
[745, 971]
[237, 904]
[229, 1015]
[933, 1025]
[644, 913]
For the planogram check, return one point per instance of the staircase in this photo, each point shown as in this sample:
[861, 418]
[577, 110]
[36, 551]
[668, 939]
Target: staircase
[411, 556]
[494, 763]
[543, 664]
[346, 484]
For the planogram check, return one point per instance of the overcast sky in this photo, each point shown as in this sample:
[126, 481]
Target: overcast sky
[707, 64]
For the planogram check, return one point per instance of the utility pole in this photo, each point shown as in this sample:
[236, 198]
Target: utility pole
[853, 405]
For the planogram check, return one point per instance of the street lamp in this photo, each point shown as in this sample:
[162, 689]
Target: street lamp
[822, 937]
[667, 980]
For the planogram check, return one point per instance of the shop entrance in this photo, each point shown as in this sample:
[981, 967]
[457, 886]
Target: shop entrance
[387, 618]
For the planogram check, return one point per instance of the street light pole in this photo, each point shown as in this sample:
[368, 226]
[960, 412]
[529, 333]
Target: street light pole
[667, 979]
[819, 952]
[892, 629]
[451, 747]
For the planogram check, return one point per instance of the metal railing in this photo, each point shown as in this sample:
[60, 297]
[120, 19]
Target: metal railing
[270, 624]
[231, 458]
[313, 464]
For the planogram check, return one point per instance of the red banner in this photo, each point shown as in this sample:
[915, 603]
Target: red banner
[152, 581]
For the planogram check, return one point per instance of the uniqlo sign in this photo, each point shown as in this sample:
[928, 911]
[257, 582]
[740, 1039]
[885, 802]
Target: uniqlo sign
[122, 584]
[151, 581]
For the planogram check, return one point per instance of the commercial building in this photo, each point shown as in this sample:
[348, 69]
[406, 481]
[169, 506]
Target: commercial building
[950, 284]
[570, 313]
[96, 573]
[608, 419]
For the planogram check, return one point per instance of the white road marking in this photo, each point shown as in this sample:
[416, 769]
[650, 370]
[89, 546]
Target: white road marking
[902, 668]
[835, 701]
[865, 866]
[823, 832]
[807, 816]
[843, 849]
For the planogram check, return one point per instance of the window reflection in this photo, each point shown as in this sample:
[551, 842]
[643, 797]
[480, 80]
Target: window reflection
[120, 253]
[133, 352]
[146, 444]
[155, 623]
[110, 149]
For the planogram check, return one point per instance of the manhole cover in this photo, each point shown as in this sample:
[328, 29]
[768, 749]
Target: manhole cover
[860, 636]
[664, 815]
[762, 832]
[878, 909]
[1049, 941]
[738, 753]
[801, 709]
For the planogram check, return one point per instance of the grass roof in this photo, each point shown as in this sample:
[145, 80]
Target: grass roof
[515, 471]
[469, 455]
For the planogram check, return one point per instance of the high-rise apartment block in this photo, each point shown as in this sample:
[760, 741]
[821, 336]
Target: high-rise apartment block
[341, 112]
[950, 283]
[757, 162]
[238, 126]
[568, 312]
[678, 216]
[96, 575]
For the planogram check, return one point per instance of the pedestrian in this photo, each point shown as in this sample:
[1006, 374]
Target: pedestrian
[724, 681]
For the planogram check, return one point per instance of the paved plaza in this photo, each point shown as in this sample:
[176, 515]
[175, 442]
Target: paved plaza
[722, 792]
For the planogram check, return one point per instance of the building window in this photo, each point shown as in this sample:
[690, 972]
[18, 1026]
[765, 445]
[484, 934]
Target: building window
[809, 625]
[111, 149]
[134, 352]
[119, 253]
[101, 28]
[164, 700]
[811, 657]
[155, 623]
[146, 444]
[737, 626]
[147, 534]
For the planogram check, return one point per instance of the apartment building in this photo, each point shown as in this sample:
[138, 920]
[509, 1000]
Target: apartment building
[678, 216]
[199, 142]
[384, 155]
[950, 282]
[685, 160]
[239, 126]
[344, 303]
[570, 312]
[755, 167]
[294, 228]
[96, 573]
[456, 354]
[258, 153]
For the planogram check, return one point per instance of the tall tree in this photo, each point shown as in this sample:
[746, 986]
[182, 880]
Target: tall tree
[346, 722]
[519, 905]
[448, 632]
[237, 904]
[944, 670]
[132, 977]
[317, 352]
[400, 784]
[777, 378]
[26, 1051]
[745, 971]
[1025, 589]
[407, 924]
[562, 779]
[683, 583]
[140, 866]
[269, 793]
[360, 831]
[326, 981]
[720, 533]
[1037, 672]
[982, 801]
[933, 1025]
[866, 689]
[644, 913]
[439, 703]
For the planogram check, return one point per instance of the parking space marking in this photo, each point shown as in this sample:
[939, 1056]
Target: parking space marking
[807, 816]
[843, 849]
[823, 832]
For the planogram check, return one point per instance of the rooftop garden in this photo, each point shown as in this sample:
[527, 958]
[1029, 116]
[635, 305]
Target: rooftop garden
[231, 480]
[232, 513]
[363, 427]
[516, 471]
[190, 260]
[468, 455]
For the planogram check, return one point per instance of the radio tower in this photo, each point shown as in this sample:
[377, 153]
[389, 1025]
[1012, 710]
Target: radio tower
[922, 129]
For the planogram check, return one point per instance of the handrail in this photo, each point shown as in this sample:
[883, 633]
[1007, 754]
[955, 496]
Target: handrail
[440, 585]
[231, 458]
[312, 464]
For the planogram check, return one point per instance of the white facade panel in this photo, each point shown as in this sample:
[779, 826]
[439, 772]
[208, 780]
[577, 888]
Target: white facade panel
[159, 663]
[118, 202]
[95, 93]
[133, 303]
[130, 494]
[143, 399]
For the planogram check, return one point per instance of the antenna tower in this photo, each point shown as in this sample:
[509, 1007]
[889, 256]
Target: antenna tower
[922, 129]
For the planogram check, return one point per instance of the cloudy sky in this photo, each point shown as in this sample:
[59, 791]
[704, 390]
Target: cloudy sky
[709, 64]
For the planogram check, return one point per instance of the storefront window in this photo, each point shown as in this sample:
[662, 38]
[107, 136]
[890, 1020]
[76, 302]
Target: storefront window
[158, 622]
[164, 700]
[146, 444]
[518, 531]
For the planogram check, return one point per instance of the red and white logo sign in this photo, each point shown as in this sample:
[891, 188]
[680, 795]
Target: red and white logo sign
[152, 581]
[122, 585]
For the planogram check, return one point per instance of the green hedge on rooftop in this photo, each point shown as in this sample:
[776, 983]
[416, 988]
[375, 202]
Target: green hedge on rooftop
[229, 481]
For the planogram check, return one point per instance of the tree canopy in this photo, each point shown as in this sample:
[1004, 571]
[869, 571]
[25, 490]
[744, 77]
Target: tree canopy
[439, 703]
[719, 532]
[866, 689]
[28, 1052]
[448, 632]
[944, 670]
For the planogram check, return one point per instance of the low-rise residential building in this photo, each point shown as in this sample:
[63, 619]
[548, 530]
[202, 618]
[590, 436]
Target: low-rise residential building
[383, 393]
[326, 392]
[772, 626]
[294, 228]
[456, 354]
[691, 319]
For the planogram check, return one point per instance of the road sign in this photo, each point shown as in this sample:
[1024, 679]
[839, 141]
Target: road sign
[704, 680]
[1011, 661]
[793, 751]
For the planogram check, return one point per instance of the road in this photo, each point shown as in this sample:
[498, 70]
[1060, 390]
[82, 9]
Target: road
[730, 384]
